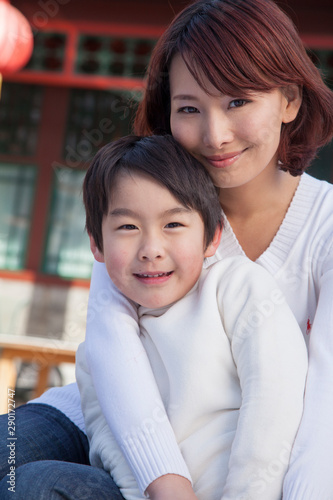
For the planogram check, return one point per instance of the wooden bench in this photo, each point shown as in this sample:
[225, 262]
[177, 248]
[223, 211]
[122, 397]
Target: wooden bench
[45, 353]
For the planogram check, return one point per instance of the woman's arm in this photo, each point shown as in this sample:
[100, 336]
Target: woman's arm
[105, 452]
[103, 449]
[125, 385]
[271, 359]
[310, 474]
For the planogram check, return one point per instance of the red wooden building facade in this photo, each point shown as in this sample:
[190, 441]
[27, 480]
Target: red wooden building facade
[77, 92]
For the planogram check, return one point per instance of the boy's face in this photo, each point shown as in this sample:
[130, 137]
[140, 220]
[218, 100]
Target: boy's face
[153, 246]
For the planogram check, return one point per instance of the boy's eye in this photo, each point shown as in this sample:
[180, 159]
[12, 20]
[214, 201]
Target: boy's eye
[188, 110]
[174, 224]
[128, 227]
[237, 103]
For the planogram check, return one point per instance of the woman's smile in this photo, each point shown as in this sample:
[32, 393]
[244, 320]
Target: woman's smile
[223, 161]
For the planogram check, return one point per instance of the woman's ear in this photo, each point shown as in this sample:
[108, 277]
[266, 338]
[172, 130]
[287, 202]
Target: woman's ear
[293, 95]
[213, 245]
[98, 254]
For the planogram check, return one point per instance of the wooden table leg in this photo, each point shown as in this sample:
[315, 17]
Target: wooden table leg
[42, 382]
[8, 376]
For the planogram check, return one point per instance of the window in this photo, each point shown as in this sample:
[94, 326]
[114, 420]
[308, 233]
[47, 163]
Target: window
[114, 55]
[67, 249]
[94, 119]
[20, 112]
[80, 55]
[17, 186]
[48, 53]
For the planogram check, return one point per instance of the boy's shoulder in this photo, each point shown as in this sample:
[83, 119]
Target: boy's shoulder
[238, 265]
[235, 276]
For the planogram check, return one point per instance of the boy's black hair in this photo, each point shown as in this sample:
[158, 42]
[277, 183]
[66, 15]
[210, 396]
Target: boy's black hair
[161, 158]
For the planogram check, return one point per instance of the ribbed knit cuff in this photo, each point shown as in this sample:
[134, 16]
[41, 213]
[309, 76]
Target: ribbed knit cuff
[153, 455]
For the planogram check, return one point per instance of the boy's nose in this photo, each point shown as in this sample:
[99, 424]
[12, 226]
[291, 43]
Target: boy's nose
[150, 256]
[150, 251]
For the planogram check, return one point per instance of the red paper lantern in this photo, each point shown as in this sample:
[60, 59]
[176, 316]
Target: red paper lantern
[16, 40]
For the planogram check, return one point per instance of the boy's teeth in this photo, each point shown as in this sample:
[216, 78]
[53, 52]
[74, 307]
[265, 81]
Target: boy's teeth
[157, 275]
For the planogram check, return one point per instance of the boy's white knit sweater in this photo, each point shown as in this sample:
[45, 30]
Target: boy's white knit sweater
[230, 362]
[301, 260]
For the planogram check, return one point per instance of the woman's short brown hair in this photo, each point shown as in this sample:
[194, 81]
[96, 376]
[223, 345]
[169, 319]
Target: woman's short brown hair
[242, 46]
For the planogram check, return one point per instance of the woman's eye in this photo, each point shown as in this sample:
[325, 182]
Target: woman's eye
[188, 110]
[237, 103]
[174, 224]
[128, 227]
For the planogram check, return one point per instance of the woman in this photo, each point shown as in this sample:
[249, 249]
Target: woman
[232, 82]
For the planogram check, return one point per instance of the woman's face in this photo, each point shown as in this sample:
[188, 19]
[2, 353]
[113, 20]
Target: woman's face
[236, 139]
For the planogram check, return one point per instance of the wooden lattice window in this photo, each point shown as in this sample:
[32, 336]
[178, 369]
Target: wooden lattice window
[94, 119]
[67, 251]
[17, 187]
[113, 55]
[49, 52]
[78, 56]
[20, 112]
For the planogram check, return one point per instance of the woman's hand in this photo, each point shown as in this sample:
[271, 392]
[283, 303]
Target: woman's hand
[171, 487]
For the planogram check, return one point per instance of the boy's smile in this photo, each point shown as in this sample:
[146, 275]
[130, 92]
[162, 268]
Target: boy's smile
[153, 246]
[153, 277]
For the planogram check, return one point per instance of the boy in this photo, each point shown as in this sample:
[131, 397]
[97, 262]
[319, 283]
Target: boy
[227, 354]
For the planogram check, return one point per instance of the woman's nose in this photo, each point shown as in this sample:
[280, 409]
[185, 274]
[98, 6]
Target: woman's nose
[217, 131]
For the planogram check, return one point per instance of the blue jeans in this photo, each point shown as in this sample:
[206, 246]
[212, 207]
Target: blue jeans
[51, 459]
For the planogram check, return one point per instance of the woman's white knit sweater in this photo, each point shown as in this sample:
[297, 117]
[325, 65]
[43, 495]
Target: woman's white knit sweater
[230, 362]
[300, 258]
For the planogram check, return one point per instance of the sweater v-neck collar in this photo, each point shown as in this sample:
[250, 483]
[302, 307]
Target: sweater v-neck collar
[275, 255]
